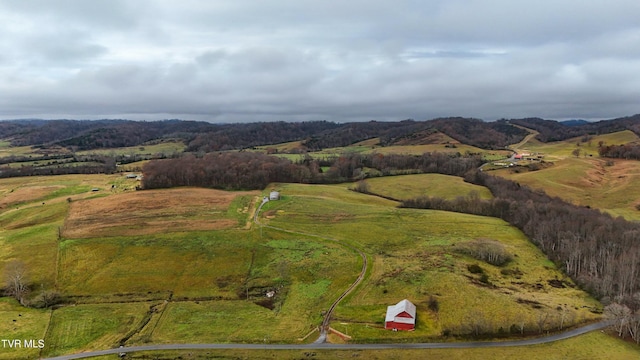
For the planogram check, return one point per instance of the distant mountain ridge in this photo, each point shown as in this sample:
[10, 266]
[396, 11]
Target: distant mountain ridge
[574, 122]
[313, 135]
[551, 130]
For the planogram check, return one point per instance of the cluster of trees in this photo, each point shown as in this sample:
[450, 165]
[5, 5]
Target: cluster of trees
[227, 170]
[250, 170]
[18, 285]
[626, 319]
[601, 253]
[479, 323]
[627, 151]
[487, 250]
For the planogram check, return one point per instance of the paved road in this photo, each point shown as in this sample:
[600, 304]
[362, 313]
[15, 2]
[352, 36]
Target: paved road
[327, 346]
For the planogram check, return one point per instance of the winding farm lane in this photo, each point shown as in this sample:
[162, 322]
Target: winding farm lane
[324, 327]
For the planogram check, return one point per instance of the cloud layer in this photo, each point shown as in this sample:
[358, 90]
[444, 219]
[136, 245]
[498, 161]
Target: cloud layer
[294, 60]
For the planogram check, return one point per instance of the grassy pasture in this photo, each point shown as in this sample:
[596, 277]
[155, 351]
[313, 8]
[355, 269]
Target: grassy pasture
[151, 266]
[31, 212]
[421, 149]
[213, 277]
[154, 211]
[17, 322]
[30, 235]
[54, 188]
[562, 149]
[305, 276]
[213, 266]
[415, 255]
[282, 147]
[91, 326]
[410, 186]
[7, 150]
[586, 180]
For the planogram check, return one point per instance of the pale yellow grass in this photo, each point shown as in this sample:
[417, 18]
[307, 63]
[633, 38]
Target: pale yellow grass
[151, 211]
[25, 194]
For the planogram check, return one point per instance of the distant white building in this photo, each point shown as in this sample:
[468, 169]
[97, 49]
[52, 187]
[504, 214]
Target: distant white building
[274, 195]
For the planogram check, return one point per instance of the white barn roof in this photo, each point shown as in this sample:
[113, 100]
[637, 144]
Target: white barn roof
[403, 306]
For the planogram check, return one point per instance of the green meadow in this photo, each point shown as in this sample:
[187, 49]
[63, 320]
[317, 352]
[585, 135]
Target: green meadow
[18, 322]
[435, 185]
[419, 255]
[612, 185]
[187, 284]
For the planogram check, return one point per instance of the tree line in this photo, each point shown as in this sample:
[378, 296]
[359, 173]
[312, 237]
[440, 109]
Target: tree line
[251, 170]
[601, 253]
[626, 151]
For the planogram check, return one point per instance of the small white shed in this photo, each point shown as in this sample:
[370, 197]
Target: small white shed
[274, 195]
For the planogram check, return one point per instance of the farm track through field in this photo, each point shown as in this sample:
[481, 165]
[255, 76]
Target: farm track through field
[324, 327]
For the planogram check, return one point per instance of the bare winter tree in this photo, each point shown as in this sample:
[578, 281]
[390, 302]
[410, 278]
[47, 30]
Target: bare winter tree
[16, 280]
[620, 314]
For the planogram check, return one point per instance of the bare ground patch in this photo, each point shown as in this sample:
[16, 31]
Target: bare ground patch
[151, 211]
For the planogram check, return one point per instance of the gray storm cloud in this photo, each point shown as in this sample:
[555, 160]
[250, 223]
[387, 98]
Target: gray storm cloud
[305, 60]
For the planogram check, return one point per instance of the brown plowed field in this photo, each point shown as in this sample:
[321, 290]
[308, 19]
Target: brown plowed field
[151, 211]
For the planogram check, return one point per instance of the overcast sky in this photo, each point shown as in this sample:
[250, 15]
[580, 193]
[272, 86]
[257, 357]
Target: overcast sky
[339, 60]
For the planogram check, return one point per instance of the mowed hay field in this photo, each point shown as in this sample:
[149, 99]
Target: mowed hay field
[155, 211]
[612, 185]
[92, 327]
[436, 185]
[418, 254]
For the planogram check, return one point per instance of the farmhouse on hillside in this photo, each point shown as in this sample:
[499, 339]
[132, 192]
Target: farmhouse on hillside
[401, 316]
[274, 195]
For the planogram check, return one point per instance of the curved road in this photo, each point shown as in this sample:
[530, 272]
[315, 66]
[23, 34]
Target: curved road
[327, 346]
[320, 344]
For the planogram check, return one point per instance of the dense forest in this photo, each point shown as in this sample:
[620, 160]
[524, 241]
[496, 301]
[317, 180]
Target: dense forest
[249, 170]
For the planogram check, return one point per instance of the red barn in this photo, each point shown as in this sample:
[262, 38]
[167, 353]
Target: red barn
[401, 316]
